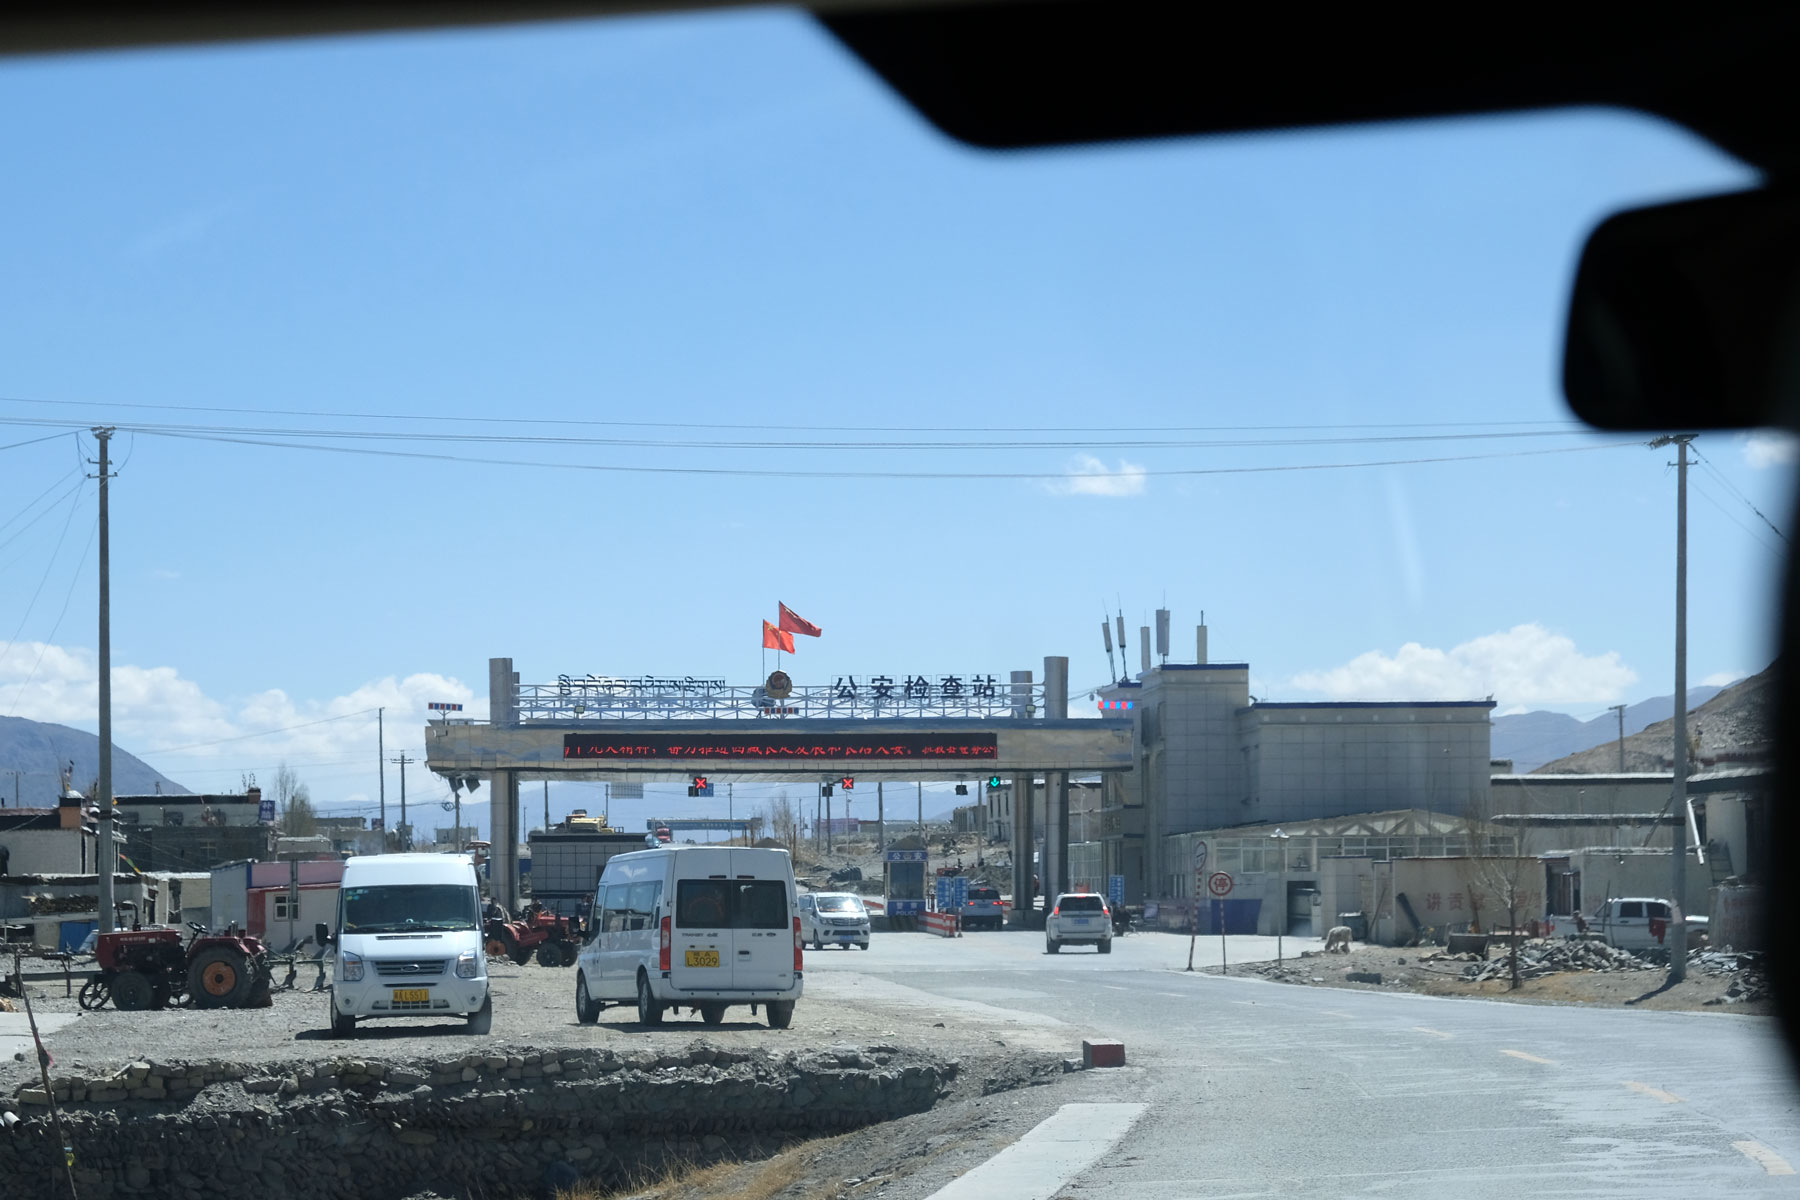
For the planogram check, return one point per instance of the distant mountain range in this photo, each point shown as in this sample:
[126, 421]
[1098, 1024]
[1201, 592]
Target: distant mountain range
[39, 753]
[1535, 738]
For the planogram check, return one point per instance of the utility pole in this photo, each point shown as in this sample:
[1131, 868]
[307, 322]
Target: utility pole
[880, 820]
[731, 814]
[1677, 934]
[828, 822]
[921, 786]
[1619, 709]
[405, 829]
[106, 857]
[546, 806]
[381, 773]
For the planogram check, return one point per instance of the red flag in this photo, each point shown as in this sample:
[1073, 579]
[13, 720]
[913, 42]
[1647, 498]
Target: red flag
[775, 639]
[792, 622]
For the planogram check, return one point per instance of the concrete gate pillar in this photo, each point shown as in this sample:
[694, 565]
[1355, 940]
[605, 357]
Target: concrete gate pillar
[1056, 785]
[503, 859]
[503, 810]
[1022, 840]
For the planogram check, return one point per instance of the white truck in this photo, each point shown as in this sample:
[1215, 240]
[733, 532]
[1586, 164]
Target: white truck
[1639, 922]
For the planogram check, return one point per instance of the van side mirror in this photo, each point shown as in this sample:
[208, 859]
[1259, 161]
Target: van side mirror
[322, 935]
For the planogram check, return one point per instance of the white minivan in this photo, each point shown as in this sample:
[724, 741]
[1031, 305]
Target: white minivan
[408, 941]
[698, 927]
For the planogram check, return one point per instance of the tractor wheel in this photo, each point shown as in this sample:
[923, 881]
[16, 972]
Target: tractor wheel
[132, 991]
[95, 993]
[495, 946]
[220, 977]
[550, 955]
[519, 954]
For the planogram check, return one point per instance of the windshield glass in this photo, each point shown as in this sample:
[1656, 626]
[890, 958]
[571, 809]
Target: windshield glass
[409, 908]
[463, 392]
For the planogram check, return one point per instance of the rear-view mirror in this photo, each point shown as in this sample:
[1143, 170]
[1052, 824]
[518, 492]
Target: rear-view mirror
[1685, 316]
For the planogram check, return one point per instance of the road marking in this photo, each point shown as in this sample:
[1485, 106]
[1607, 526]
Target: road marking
[1037, 1165]
[1433, 1032]
[1763, 1157]
[1332, 1012]
[1653, 1093]
[1528, 1057]
[1114, 987]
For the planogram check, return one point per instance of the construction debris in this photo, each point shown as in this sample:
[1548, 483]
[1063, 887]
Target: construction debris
[1539, 958]
[1749, 980]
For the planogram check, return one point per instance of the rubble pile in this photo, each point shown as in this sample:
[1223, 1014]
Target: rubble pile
[1541, 958]
[1749, 980]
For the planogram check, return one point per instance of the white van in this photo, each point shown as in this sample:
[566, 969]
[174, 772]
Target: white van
[408, 941]
[698, 927]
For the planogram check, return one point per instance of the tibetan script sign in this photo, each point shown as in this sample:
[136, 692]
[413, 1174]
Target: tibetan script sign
[779, 747]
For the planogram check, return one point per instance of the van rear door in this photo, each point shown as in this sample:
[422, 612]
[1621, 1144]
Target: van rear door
[763, 924]
[701, 947]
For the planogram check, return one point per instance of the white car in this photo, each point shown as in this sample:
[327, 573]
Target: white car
[695, 927]
[1079, 917]
[834, 919]
[1634, 923]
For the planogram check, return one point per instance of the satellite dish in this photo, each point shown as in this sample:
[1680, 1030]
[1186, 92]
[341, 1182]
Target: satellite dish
[445, 805]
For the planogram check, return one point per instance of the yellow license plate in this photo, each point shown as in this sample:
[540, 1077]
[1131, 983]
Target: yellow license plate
[702, 958]
[411, 995]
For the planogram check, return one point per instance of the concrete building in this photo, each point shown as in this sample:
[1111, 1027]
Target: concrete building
[279, 902]
[212, 810]
[1209, 756]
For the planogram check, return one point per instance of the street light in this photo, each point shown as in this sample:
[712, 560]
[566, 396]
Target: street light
[1281, 913]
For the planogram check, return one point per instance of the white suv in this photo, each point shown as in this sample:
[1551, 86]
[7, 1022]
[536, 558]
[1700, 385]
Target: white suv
[1079, 917]
[833, 919]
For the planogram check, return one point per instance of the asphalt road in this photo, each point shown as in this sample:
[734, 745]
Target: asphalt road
[1255, 1088]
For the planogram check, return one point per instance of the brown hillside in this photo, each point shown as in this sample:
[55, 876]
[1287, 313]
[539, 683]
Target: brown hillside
[1737, 725]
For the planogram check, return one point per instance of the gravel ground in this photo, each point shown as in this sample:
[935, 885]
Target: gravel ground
[1410, 969]
[534, 1007]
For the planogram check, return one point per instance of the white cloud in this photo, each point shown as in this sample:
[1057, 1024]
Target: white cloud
[1088, 476]
[1763, 450]
[203, 742]
[1526, 665]
[1723, 678]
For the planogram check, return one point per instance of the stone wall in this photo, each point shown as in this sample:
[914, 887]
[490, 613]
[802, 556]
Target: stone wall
[495, 1124]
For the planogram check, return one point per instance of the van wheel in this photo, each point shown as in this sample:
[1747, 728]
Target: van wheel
[342, 1026]
[587, 1009]
[650, 1011]
[781, 1014]
[482, 1019]
[712, 1014]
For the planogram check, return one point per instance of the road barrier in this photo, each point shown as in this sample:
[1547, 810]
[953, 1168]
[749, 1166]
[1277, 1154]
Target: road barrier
[944, 924]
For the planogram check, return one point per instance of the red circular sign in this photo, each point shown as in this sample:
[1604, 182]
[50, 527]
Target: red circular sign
[1219, 883]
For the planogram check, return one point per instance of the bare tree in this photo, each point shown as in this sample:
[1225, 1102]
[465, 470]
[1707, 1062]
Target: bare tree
[782, 817]
[1501, 879]
[293, 804]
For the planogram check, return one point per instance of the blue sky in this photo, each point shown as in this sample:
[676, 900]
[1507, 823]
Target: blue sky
[721, 229]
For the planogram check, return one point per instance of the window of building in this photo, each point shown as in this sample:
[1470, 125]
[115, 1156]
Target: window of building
[286, 907]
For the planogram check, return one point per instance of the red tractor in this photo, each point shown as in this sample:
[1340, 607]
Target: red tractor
[555, 939]
[148, 968]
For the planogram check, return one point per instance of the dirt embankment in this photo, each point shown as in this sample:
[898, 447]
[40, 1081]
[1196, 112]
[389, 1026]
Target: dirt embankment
[1712, 983]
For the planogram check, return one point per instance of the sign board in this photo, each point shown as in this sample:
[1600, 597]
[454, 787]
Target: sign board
[1219, 883]
[907, 855]
[626, 791]
[952, 892]
[1115, 890]
[1199, 856]
[699, 748]
[441, 706]
[905, 908]
[265, 812]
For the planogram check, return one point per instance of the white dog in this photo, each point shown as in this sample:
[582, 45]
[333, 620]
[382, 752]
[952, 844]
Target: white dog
[1337, 940]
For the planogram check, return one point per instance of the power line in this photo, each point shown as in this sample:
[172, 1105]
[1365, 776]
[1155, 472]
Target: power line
[44, 646]
[263, 733]
[740, 472]
[1572, 426]
[31, 441]
[1745, 500]
[14, 640]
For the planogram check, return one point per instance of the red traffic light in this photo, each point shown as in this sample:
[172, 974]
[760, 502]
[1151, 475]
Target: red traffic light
[700, 783]
[848, 783]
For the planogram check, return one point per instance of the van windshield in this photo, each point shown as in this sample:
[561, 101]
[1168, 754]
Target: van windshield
[731, 904]
[409, 908]
[840, 904]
